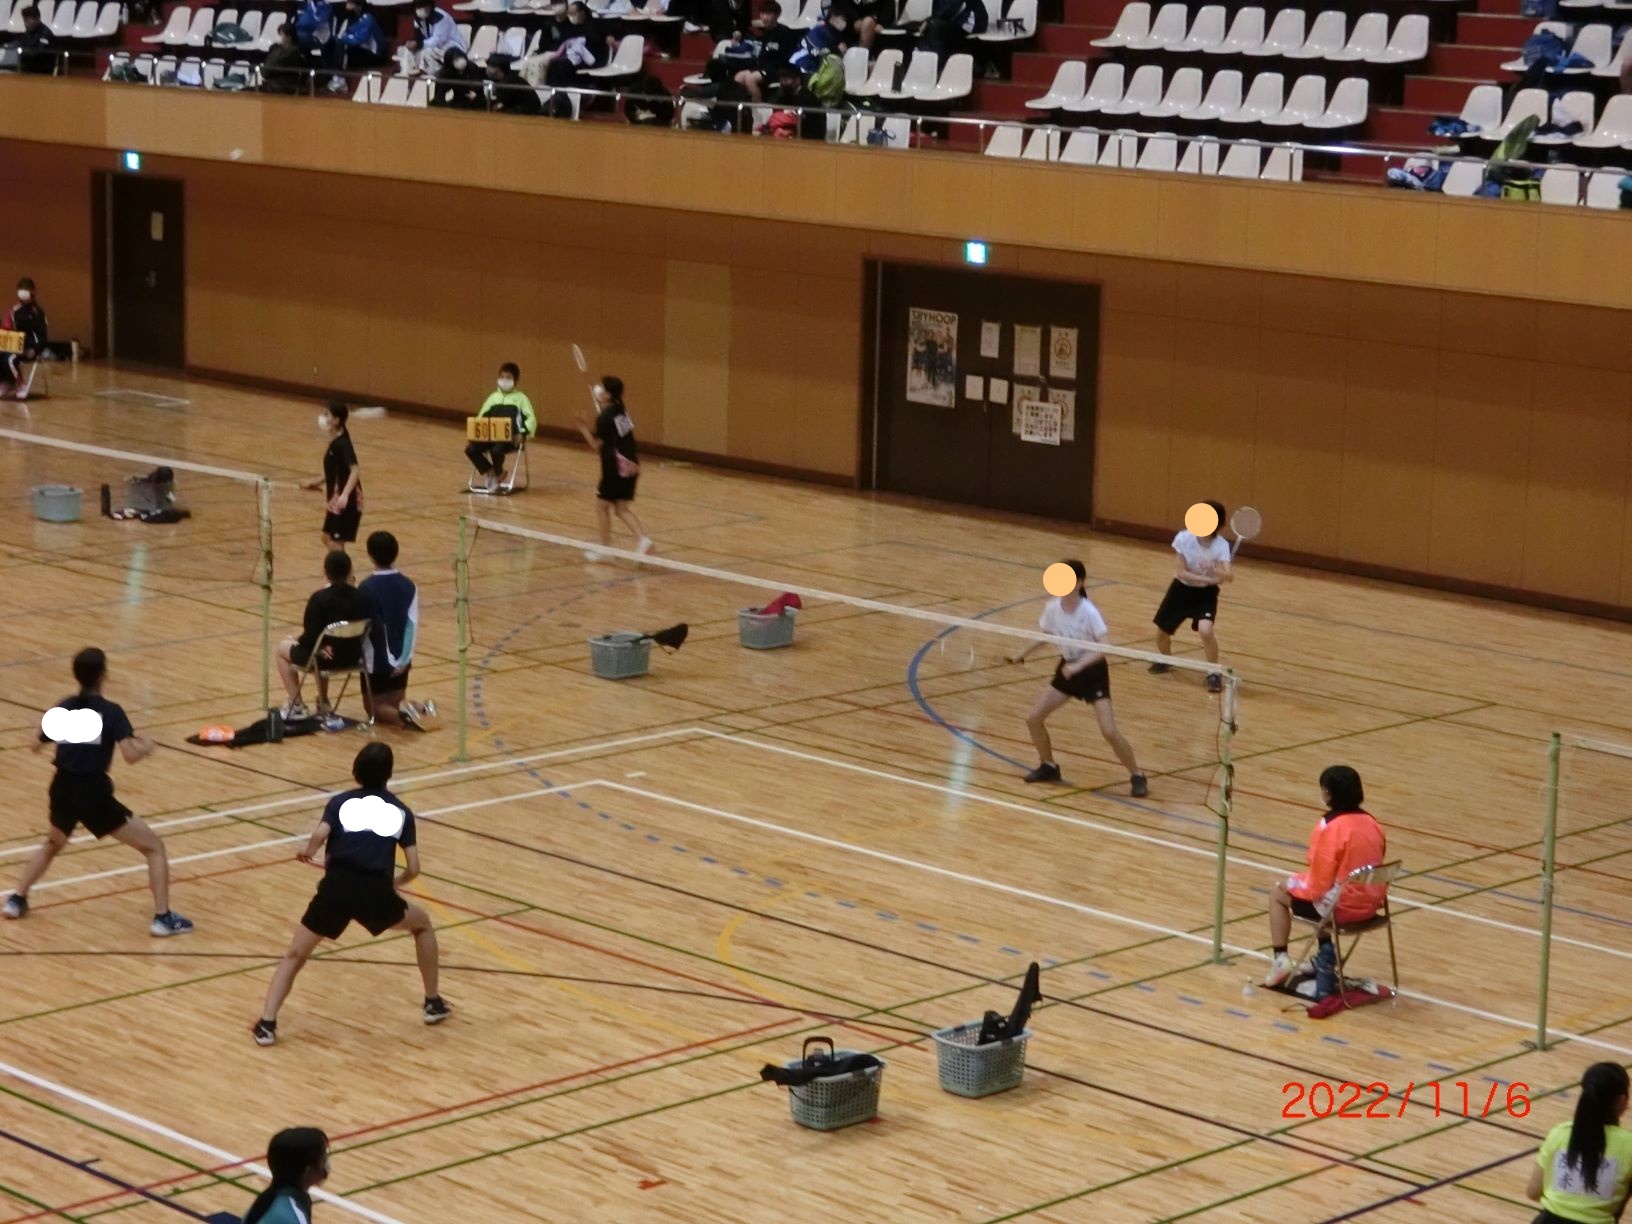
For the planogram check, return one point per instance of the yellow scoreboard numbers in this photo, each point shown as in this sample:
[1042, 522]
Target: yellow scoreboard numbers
[483, 429]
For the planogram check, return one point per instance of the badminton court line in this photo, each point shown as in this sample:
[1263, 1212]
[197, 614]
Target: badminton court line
[295, 837]
[1075, 906]
[402, 785]
[175, 1136]
[1444, 910]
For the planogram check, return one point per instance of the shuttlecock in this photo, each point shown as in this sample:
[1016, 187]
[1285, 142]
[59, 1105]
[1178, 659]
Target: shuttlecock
[236, 154]
[1248, 989]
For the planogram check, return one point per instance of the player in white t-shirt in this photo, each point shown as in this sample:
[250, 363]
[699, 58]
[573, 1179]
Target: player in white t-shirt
[1204, 564]
[1083, 674]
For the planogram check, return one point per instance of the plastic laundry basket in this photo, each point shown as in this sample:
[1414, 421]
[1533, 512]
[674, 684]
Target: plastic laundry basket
[972, 1070]
[618, 656]
[757, 631]
[57, 503]
[835, 1101]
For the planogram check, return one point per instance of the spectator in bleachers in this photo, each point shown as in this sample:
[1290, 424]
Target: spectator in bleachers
[951, 24]
[36, 48]
[826, 37]
[768, 46]
[728, 17]
[862, 18]
[435, 34]
[580, 44]
[650, 104]
[362, 42]
[314, 28]
[790, 94]
[510, 93]
[284, 65]
[458, 84]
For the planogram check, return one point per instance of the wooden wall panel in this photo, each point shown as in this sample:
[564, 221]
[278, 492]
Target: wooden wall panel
[1133, 441]
[1388, 456]
[1215, 409]
[697, 355]
[1298, 439]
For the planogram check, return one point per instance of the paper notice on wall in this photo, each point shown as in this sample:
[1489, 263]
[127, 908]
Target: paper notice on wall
[1028, 345]
[1066, 398]
[991, 339]
[1040, 422]
[1022, 393]
[932, 357]
[974, 387]
[997, 391]
[1062, 352]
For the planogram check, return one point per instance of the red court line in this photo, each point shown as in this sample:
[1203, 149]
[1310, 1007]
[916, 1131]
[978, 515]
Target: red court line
[142, 887]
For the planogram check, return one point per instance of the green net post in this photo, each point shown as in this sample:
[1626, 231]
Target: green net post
[461, 604]
[1549, 839]
[1226, 716]
[265, 515]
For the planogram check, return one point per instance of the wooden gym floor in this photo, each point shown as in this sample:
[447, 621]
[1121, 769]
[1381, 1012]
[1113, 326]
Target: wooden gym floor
[647, 890]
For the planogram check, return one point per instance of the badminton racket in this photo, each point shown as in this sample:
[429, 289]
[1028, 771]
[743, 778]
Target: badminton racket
[1246, 523]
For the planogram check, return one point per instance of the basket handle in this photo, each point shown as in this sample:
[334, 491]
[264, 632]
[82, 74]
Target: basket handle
[804, 1052]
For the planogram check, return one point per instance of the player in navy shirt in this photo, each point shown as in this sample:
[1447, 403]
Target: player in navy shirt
[362, 829]
[391, 602]
[85, 728]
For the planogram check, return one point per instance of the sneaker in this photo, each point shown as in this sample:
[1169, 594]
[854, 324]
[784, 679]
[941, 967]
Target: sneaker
[1215, 682]
[16, 906]
[295, 711]
[1046, 772]
[1281, 969]
[436, 1010]
[1141, 788]
[410, 715]
[1159, 669]
[265, 1032]
[165, 925]
[645, 545]
[332, 722]
[337, 85]
[492, 482]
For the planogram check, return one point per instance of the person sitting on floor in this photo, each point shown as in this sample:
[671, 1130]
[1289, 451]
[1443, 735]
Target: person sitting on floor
[505, 401]
[1346, 839]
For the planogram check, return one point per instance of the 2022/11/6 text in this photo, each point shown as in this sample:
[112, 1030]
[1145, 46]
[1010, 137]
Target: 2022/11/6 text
[1322, 1099]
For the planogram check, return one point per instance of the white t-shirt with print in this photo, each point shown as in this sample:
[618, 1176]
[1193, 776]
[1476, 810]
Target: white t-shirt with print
[1206, 557]
[1083, 623]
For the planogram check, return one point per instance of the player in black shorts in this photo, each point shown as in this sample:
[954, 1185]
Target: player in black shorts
[612, 437]
[85, 729]
[342, 480]
[362, 829]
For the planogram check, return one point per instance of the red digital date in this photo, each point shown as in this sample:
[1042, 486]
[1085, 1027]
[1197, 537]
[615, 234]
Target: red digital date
[1322, 1099]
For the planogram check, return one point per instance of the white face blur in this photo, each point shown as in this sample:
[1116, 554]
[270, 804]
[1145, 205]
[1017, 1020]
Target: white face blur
[600, 394]
[25, 295]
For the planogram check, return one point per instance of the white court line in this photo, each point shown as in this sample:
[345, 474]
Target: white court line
[1075, 906]
[180, 465]
[175, 1136]
[1014, 805]
[295, 837]
[403, 785]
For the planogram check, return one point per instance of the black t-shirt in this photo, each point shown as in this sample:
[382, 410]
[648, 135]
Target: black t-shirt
[96, 757]
[365, 829]
[616, 433]
[338, 461]
[324, 608]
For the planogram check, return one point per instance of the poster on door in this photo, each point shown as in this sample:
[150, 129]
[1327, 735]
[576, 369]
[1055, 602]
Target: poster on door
[1022, 394]
[1040, 422]
[1028, 342]
[1062, 352]
[932, 357]
[1066, 398]
[991, 339]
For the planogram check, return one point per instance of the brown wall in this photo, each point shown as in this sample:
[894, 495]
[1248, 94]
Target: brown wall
[1413, 429]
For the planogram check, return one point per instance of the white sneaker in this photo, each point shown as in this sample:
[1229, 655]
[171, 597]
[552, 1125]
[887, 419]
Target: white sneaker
[645, 545]
[1280, 970]
[492, 482]
[294, 711]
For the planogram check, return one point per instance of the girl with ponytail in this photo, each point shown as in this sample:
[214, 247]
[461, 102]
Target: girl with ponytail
[298, 1159]
[1584, 1168]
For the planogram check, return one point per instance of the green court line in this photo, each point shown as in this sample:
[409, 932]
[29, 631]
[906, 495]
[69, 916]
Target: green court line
[35, 1203]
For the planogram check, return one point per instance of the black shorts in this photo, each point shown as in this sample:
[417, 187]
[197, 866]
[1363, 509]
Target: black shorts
[616, 488]
[1092, 683]
[86, 799]
[1186, 603]
[343, 526]
[344, 897]
[1305, 909]
[384, 684]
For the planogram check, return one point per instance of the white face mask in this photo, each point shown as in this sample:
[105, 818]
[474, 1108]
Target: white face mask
[24, 295]
[599, 392]
[506, 384]
[324, 423]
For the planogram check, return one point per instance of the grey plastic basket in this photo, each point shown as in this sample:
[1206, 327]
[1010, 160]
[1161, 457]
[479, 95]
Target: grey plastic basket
[757, 631]
[618, 656]
[57, 503]
[835, 1101]
[972, 1070]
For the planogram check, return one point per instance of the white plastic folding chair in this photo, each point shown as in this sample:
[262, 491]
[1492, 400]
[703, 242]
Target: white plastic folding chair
[1616, 62]
[1161, 152]
[1070, 84]
[484, 44]
[1463, 178]
[175, 29]
[1223, 97]
[1327, 34]
[419, 93]
[1283, 165]
[1559, 29]
[198, 32]
[1596, 44]
[1241, 161]
[1042, 145]
[1561, 186]
[5, 14]
[85, 21]
[956, 82]
[1145, 89]
[1132, 24]
[1614, 126]
[115, 61]
[1265, 97]
[1347, 108]
[1246, 32]
[1183, 94]
[912, 12]
[855, 67]
[883, 73]
[1306, 101]
[268, 37]
[1007, 140]
[1482, 111]
[1525, 103]
[1106, 87]
[1368, 38]
[1200, 157]
[1285, 34]
[919, 78]
[1408, 44]
[1081, 149]
[626, 61]
[1604, 189]
[1577, 106]
[1166, 31]
[1206, 31]
[798, 16]
[1119, 149]
[371, 88]
[514, 42]
[61, 23]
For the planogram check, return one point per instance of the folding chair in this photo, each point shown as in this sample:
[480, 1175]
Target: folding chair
[519, 468]
[1382, 873]
[36, 370]
[340, 631]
